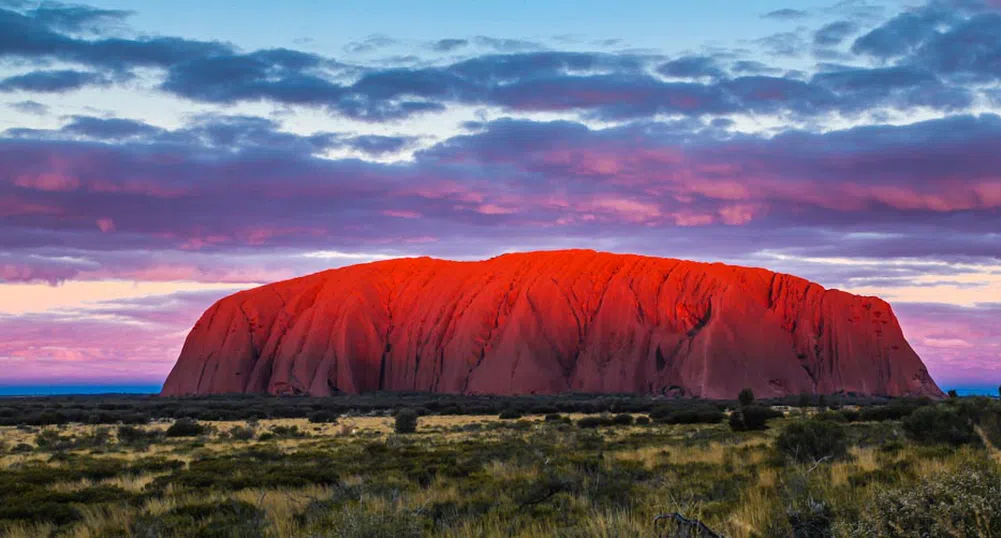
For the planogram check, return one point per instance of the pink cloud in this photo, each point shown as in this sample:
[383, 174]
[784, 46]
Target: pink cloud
[48, 181]
[739, 214]
[692, 219]
[401, 214]
[14, 207]
[626, 209]
[106, 225]
[960, 345]
[494, 209]
[79, 347]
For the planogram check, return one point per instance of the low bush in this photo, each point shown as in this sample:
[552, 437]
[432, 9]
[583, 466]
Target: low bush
[895, 410]
[752, 417]
[326, 519]
[963, 503]
[136, 437]
[185, 427]
[622, 419]
[699, 414]
[52, 440]
[850, 415]
[940, 424]
[323, 417]
[215, 520]
[509, 414]
[813, 440]
[288, 432]
[593, 422]
[242, 433]
[39, 504]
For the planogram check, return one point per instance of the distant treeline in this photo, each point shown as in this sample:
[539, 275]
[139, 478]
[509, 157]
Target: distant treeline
[141, 409]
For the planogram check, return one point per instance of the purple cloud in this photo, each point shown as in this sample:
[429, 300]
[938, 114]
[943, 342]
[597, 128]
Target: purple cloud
[235, 180]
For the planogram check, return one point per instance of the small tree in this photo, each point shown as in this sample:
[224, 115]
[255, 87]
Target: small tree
[804, 399]
[406, 421]
[746, 397]
[821, 402]
[953, 393]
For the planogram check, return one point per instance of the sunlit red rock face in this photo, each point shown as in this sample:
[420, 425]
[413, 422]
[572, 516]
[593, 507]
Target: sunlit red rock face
[548, 322]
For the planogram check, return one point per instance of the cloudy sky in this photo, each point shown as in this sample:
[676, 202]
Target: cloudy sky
[157, 155]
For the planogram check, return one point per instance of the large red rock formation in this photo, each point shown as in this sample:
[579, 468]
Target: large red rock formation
[548, 322]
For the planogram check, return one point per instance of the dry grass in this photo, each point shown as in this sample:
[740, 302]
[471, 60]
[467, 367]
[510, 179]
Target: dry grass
[862, 460]
[715, 453]
[282, 505]
[29, 530]
[756, 508]
[746, 507]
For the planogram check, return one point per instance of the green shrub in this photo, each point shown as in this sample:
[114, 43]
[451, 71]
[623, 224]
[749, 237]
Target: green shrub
[136, 437]
[592, 422]
[809, 518]
[940, 424]
[850, 415]
[39, 504]
[323, 417]
[326, 519]
[642, 420]
[813, 440]
[699, 414]
[962, 503]
[622, 419]
[990, 424]
[752, 417]
[288, 432]
[217, 520]
[51, 439]
[554, 417]
[895, 410]
[242, 433]
[185, 427]
[746, 397]
[509, 414]
[406, 421]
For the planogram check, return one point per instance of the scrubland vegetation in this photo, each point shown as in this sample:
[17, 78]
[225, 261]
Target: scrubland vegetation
[414, 466]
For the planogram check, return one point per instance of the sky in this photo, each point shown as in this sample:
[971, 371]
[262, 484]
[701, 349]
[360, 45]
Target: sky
[156, 156]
